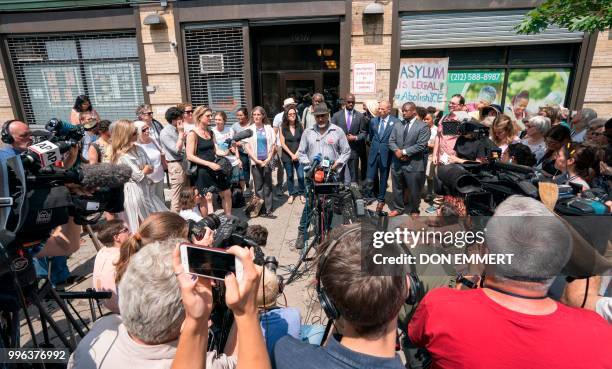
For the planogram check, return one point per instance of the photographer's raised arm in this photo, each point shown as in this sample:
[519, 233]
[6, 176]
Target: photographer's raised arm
[241, 298]
[64, 240]
[196, 293]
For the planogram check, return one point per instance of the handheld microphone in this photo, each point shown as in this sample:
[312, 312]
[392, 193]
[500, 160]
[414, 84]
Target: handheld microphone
[105, 175]
[315, 163]
[46, 153]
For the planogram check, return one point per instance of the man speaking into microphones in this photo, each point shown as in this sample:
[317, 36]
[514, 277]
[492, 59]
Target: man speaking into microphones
[324, 140]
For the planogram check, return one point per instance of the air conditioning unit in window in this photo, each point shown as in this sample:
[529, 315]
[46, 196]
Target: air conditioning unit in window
[211, 63]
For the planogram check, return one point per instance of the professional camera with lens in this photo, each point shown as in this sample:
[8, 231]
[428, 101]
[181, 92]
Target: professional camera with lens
[229, 231]
[65, 131]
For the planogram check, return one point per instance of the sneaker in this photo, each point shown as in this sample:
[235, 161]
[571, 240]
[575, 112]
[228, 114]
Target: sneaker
[256, 208]
[302, 199]
[299, 242]
[432, 209]
[268, 215]
[290, 200]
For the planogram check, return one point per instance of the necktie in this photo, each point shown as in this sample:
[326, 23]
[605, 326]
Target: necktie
[348, 121]
[381, 130]
[406, 129]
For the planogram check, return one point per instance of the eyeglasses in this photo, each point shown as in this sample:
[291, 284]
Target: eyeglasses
[145, 130]
[188, 112]
[148, 113]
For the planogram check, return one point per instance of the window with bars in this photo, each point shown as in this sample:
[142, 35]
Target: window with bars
[215, 65]
[52, 70]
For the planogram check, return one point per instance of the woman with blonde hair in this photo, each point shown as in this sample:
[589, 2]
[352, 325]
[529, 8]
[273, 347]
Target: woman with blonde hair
[503, 132]
[140, 198]
[200, 150]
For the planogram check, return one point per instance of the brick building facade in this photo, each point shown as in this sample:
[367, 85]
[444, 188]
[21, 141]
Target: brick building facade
[178, 53]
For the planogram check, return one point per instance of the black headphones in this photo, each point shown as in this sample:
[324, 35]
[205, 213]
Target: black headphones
[415, 293]
[273, 265]
[326, 303]
[7, 138]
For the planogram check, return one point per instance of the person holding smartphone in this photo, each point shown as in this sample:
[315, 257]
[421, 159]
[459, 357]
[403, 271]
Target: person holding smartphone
[240, 297]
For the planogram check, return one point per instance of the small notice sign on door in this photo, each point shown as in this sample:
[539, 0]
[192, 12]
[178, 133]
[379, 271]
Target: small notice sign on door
[364, 78]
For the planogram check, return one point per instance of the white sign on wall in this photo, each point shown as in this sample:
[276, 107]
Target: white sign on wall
[364, 78]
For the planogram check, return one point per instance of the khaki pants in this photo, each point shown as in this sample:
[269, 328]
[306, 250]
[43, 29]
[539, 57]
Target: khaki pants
[176, 173]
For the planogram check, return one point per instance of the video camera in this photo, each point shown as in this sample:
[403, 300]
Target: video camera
[483, 186]
[230, 231]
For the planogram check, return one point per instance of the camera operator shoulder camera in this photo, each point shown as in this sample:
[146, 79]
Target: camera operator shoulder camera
[473, 143]
[49, 188]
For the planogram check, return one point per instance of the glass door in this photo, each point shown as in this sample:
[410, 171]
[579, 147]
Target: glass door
[300, 86]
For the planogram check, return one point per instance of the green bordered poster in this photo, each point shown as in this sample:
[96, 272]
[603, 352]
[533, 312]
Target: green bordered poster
[476, 84]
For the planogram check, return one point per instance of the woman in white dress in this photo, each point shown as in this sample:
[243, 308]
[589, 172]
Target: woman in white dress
[140, 198]
[155, 154]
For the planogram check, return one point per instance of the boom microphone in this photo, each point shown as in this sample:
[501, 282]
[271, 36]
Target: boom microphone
[239, 136]
[105, 175]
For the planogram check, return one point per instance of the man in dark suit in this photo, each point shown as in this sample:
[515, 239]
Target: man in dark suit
[408, 142]
[354, 125]
[379, 158]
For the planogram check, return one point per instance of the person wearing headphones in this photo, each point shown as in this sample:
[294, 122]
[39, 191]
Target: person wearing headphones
[16, 136]
[364, 310]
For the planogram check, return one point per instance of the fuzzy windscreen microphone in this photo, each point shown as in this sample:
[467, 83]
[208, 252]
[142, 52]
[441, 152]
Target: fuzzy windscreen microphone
[105, 175]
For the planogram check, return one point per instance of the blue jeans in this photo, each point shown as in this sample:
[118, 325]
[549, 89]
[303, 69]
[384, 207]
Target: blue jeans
[246, 167]
[59, 270]
[290, 166]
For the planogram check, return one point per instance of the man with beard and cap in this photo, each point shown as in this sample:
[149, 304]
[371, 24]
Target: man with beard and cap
[323, 141]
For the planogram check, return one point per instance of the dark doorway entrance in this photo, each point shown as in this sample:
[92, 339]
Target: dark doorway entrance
[296, 60]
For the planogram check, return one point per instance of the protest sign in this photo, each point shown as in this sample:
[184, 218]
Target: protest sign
[422, 81]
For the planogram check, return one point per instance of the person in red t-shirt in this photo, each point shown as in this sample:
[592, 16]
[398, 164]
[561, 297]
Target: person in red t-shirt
[510, 322]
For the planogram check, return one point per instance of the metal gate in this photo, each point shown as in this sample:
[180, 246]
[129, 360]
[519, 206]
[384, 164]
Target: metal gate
[473, 29]
[215, 66]
[52, 70]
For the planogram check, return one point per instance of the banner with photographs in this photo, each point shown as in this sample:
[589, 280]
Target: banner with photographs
[529, 89]
[476, 85]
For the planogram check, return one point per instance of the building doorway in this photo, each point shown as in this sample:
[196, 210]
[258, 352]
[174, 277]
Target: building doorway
[296, 60]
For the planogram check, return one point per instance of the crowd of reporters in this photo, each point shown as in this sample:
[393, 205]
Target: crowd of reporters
[162, 314]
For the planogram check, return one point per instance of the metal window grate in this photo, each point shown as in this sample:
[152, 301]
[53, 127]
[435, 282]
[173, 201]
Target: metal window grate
[473, 29]
[52, 70]
[215, 64]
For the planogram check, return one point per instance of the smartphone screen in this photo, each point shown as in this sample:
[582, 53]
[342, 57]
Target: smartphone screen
[208, 262]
